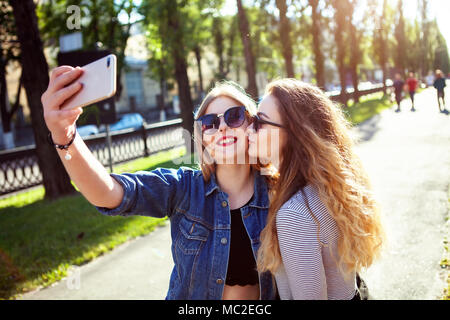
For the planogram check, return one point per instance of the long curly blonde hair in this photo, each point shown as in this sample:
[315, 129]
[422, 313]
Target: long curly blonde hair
[319, 151]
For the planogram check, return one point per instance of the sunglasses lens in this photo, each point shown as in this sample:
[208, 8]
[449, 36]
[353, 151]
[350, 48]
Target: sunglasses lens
[235, 117]
[210, 123]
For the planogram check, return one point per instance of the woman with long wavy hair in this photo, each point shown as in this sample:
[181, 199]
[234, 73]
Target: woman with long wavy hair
[323, 225]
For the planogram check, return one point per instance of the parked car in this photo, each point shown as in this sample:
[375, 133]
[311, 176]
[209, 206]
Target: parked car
[129, 120]
[87, 130]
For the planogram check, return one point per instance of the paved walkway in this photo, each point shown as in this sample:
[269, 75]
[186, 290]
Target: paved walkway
[408, 159]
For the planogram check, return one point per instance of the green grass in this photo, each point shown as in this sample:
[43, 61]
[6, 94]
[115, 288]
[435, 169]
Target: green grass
[368, 106]
[40, 239]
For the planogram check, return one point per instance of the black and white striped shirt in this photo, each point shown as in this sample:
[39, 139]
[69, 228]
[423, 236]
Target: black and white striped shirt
[308, 270]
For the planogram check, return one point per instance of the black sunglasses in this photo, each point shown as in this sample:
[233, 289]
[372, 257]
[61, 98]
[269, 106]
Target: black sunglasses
[258, 121]
[234, 118]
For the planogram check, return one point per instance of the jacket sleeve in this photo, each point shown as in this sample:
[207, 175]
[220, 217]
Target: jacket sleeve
[152, 193]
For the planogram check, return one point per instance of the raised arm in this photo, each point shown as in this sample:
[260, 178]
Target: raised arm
[88, 174]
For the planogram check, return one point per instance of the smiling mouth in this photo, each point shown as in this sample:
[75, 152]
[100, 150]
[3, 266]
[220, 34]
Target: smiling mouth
[226, 141]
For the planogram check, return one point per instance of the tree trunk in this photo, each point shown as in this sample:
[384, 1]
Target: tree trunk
[198, 57]
[252, 88]
[354, 60]
[35, 81]
[4, 100]
[284, 28]
[400, 56]
[317, 41]
[121, 61]
[230, 51]
[383, 47]
[7, 112]
[341, 52]
[162, 84]
[219, 45]
[181, 76]
[383, 66]
[94, 22]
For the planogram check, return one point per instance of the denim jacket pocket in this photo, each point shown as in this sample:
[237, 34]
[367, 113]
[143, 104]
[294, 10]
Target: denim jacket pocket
[191, 237]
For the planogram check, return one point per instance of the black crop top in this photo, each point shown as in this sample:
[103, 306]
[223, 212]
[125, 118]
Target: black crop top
[241, 264]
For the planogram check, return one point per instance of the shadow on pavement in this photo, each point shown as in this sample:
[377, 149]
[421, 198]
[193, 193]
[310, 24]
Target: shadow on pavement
[367, 129]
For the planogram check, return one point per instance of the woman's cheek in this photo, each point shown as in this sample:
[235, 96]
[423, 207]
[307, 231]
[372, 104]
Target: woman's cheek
[208, 142]
[252, 150]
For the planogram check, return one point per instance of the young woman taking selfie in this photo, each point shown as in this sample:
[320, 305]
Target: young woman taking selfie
[216, 213]
[323, 225]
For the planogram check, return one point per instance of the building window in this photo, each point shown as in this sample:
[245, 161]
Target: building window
[134, 87]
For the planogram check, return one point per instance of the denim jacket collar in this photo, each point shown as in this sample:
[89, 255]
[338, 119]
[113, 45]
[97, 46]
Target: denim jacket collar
[260, 194]
[211, 184]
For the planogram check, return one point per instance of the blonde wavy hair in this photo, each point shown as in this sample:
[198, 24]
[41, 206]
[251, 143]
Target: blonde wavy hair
[319, 151]
[223, 88]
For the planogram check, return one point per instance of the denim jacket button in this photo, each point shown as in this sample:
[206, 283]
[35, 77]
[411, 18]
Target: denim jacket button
[219, 281]
[224, 204]
[223, 240]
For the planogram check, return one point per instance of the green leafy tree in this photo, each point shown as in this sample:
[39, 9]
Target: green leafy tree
[224, 31]
[266, 41]
[35, 81]
[441, 59]
[316, 31]
[424, 36]
[284, 27]
[400, 56]
[341, 9]
[176, 28]
[99, 25]
[250, 64]
[381, 30]
[355, 40]
[9, 52]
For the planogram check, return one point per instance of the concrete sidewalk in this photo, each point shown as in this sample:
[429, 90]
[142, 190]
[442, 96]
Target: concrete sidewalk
[138, 269]
[407, 156]
[408, 161]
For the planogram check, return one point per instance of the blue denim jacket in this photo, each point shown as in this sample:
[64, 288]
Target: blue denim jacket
[200, 226]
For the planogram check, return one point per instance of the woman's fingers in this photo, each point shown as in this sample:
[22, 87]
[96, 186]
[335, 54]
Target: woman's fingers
[63, 94]
[58, 71]
[64, 79]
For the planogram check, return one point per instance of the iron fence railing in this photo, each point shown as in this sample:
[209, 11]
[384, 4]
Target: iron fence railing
[19, 167]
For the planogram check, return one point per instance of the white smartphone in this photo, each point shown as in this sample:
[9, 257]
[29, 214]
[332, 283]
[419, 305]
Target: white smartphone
[99, 83]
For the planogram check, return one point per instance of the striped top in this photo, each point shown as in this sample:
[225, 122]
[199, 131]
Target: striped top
[308, 271]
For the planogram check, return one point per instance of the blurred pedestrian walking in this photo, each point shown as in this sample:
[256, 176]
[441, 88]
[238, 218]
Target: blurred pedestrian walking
[398, 89]
[439, 84]
[412, 85]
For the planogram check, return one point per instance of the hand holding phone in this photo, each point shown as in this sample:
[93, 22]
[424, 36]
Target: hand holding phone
[98, 83]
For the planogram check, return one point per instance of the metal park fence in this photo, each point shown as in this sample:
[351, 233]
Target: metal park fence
[19, 167]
